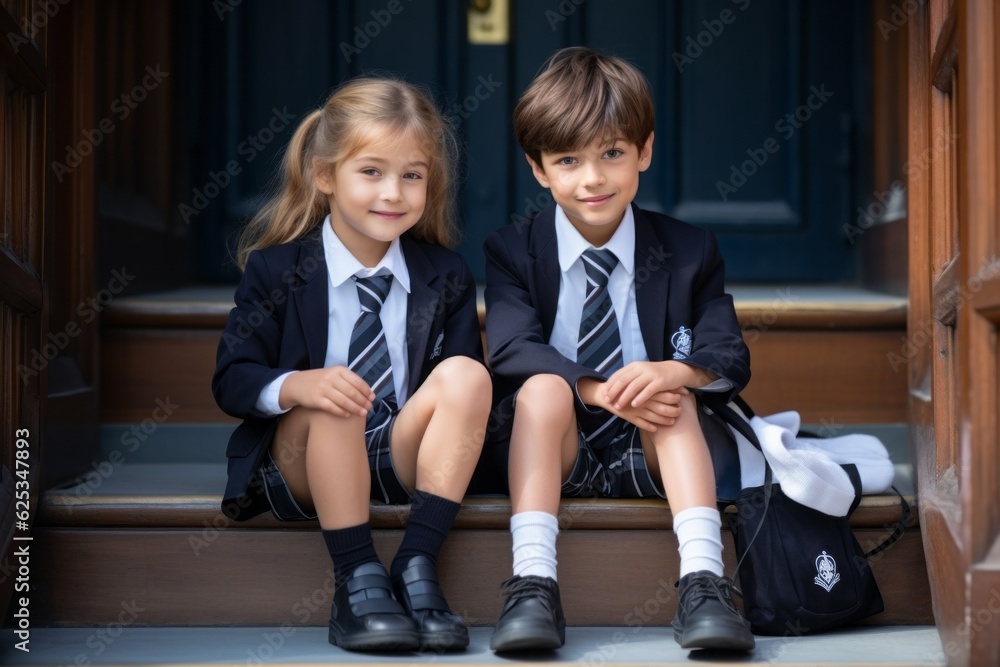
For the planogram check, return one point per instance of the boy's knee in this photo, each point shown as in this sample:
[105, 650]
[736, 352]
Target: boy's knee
[547, 393]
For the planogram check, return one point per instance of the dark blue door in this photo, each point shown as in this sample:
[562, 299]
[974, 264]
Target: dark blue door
[760, 109]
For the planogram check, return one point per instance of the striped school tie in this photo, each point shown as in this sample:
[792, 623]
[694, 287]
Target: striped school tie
[368, 355]
[600, 344]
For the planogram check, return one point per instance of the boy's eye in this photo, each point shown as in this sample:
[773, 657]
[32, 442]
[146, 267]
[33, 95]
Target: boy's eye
[567, 160]
[613, 153]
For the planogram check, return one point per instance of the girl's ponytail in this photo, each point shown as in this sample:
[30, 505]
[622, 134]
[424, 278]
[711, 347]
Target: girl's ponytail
[299, 206]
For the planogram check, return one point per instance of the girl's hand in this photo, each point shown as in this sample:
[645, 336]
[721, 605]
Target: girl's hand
[337, 390]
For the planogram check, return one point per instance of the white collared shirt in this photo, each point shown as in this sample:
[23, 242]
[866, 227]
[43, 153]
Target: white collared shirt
[573, 288]
[345, 307]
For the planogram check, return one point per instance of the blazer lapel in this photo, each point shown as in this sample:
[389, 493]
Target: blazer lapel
[312, 299]
[421, 309]
[651, 294]
[544, 248]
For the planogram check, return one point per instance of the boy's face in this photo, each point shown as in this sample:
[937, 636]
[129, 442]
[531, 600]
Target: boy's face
[595, 184]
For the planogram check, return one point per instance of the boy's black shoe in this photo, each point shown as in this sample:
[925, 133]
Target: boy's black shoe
[365, 617]
[531, 618]
[707, 616]
[418, 590]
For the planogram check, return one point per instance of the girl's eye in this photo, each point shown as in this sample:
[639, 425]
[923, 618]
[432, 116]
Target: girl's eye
[413, 175]
[370, 172]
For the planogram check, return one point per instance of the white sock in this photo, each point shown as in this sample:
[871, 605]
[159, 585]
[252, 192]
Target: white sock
[534, 535]
[699, 540]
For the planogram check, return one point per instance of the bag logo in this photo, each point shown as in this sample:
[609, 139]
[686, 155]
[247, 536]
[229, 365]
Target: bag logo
[682, 343]
[827, 575]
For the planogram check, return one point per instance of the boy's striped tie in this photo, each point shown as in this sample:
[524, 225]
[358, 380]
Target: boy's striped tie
[368, 355]
[600, 344]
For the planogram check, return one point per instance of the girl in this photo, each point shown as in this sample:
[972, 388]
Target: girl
[354, 357]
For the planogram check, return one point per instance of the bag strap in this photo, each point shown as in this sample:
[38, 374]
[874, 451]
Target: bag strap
[897, 530]
[739, 423]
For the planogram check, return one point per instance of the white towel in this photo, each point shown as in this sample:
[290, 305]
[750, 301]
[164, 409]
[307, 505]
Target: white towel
[808, 469]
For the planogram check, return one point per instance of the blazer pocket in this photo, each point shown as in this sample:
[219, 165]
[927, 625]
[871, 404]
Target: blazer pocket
[251, 435]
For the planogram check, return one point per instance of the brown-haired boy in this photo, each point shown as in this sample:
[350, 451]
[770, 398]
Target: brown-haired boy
[599, 316]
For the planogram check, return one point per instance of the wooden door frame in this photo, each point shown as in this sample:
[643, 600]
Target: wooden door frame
[954, 313]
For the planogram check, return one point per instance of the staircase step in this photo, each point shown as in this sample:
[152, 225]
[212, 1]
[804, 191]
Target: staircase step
[154, 534]
[835, 354]
[915, 646]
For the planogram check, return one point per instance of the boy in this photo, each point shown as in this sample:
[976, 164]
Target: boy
[599, 317]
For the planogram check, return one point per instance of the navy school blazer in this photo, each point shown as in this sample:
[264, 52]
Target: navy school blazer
[280, 323]
[679, 282]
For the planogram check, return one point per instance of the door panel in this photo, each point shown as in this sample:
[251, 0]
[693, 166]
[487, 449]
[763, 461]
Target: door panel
[728, 76]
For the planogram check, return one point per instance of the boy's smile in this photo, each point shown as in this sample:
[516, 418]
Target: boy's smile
[594, 184]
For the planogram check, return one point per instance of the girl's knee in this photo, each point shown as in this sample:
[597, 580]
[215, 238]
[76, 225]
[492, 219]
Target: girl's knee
[465, 380]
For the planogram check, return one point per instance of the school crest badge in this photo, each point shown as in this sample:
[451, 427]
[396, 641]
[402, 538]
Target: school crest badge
[682, 343]
[437, 345]
[826, 572]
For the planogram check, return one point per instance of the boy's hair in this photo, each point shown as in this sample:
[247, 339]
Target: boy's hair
[361, 112]
[580, 95]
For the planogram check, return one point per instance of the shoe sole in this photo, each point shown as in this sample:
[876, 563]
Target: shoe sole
[443, 641]
[526, 639]
[368, 641]
[715, 635]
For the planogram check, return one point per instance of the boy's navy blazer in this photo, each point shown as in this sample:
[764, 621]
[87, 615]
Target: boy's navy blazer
[280, 324]
[679, 282]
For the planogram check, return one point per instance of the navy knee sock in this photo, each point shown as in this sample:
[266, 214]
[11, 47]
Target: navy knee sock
[429, 523]
[349, 548]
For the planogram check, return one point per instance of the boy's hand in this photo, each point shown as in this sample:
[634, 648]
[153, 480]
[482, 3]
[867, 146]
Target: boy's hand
[636, 383]
[337, 390]
[661, 409]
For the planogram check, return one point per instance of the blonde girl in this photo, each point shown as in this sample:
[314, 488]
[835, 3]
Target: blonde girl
[353, 357]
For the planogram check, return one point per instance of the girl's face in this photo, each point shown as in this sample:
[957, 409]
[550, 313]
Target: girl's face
[376, 195]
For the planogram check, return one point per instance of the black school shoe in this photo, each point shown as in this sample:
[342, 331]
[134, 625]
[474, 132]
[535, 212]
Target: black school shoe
[418, 590]
[531, 618]
[365, 617]
[707, 616]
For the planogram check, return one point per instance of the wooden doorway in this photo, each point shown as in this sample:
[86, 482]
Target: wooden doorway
[954, 313]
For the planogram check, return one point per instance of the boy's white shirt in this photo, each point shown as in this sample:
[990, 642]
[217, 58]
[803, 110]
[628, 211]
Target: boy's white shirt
[345, 307]
[573, 288]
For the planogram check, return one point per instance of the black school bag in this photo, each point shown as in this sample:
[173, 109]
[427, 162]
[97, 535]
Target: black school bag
[801, 571]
